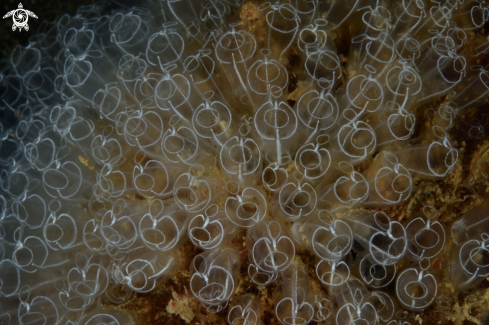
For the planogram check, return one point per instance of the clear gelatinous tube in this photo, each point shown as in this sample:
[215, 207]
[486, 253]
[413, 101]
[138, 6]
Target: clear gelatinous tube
[164, 226]
[328, 238]
[214, 277]
[245, 310]
[385, 240]
[211, 229]
[434, 160]
[416, 288]
[426, 236]
[272, 250]
[295, 200]
[293, 296]
[245, 208]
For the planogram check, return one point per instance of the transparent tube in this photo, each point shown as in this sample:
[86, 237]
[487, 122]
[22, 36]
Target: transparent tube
[384, 239]
[272, 251]
[293, 296]
[436, 159]
[211, 229]
[214, 277]
[328, 238]
[245, 310]
[247, 207]
[414, 280]
[164, 226]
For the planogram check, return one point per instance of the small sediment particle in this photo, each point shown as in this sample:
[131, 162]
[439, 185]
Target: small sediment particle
[85, 162]
[183, 306]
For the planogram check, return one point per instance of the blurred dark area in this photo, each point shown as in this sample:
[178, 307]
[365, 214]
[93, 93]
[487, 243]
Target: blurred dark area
[44, 9]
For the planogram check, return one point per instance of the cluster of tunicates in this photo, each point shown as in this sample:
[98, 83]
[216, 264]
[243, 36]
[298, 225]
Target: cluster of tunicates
[128, 132]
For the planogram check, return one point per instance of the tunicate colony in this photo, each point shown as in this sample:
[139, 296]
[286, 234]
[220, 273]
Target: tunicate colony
[128, 132]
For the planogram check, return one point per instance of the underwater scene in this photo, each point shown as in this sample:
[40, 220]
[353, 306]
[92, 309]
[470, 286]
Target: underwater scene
[244, 162]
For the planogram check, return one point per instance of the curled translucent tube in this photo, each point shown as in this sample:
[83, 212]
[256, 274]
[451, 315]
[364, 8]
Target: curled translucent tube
[154, 179]
[384, 306]
[245, 208]
[131, 71]
[283, 23]
[408, 15]
[107, 315]
[174, 93]
[378, 50]
[295, 200]
[415, 288]
[211, 229]
[426, 237]
[117, 227]
[31, 253]
[391, 184]
[334, 274]
[194, 191]
[241, 160]
[108, 102]
[274, 177]
[328, 238]
[166, 46]
[260, 277]
[213, 120]
[375, 275]
[408, 48]
[201, 68]
[106, 149]
[474, 224]
[39, 308]
[128, 30]
[476, 90]
[398, 126]
[293, 296]
[276, 123]
[164, 226]
[447, 72]
[364, 93]
[470, 262]
[70, 299]
[214, 277]
[118, 293]
[234, 50]
[180, 143]
[266, 76]
[89, 278]
[402, 81]
[65, 179]
[355, 141]
[313, 34]
[271, 249]
[245, 310]
[140, 129]
[384, 239]
[113, 230]
[318, 110]
[313, 160]
[323, 310]
[144, 269]
[30, 210]
[434, 160]
[348, 190]
[323, 65]
[111, 183]
[354, 305]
